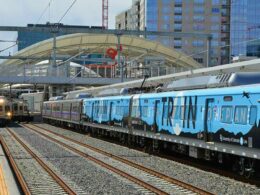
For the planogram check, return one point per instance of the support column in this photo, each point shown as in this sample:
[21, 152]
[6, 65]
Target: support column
[208, 51]
[53, 65]
[118, 58]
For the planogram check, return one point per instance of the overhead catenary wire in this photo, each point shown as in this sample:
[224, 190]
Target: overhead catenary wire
[8, 48]
[45, 9]
[67, 11]
[8, 41]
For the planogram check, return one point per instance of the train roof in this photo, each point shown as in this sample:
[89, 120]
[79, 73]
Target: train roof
[254, 88]
[70, 100]
[221, 80]
[122, 97]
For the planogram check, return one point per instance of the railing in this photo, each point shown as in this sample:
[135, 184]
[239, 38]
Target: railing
[98, 71]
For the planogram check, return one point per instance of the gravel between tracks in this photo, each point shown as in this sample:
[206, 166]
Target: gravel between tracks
[88, 177]
[212, 182]
[38, 181]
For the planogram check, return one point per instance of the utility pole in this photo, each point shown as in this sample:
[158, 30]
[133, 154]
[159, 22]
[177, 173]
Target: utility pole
[209, 51]
[105, 14]
[120, 65]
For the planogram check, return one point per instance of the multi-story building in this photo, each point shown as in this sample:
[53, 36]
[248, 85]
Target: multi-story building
[197, 16]
[27, 38]
[245, 28]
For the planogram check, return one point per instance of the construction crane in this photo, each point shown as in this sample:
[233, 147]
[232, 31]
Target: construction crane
[105, 14]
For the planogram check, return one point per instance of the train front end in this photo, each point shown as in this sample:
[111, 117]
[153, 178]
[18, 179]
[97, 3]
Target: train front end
[5, 111]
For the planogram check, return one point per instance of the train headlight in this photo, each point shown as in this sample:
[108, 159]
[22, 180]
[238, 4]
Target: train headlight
[9, 114]
[2, 101]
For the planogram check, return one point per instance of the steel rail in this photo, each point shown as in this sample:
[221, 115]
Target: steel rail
[103, 164]
[131, 163]
[15, 168]
[63, 185]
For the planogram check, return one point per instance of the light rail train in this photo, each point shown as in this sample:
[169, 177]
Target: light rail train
[219, 124]
[12, 110]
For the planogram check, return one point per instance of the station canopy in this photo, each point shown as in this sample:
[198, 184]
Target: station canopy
[72, 45]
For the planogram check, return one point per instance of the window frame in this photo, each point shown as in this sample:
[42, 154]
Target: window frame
[249, 121]
[239, 122]
[231, 117]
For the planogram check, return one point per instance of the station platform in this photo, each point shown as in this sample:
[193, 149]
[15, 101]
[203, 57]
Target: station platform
[8, 185]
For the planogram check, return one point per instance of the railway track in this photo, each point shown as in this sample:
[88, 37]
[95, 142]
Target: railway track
[163, 182]
[32, 173]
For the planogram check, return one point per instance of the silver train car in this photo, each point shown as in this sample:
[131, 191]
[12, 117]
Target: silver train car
[20, 110]
[5, 111]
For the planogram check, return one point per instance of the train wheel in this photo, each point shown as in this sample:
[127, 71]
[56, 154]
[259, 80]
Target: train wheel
[241, 168]
[249, 168]
[246, 167]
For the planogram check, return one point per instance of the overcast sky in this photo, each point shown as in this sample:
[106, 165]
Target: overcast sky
[83, 12]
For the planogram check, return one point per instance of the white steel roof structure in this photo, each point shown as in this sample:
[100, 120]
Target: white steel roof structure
[81, 43]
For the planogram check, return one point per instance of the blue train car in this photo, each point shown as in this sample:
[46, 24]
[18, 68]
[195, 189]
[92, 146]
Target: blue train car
[108, 110]
[229, 115]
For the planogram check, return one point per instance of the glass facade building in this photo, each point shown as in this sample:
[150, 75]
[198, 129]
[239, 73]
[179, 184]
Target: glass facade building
[27, 38]
[245, 27]
[195, 16]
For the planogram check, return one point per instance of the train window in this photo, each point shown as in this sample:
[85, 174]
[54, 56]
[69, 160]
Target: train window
[226, 114]
[182, 112]
[176, 112]
[165, 113]
[186, 112]
[252, 115]
[21, 108]
[145, 111]
[1, 108]
[15, 107]
[210, 117]
[241, 115]
[228, 98]
[104, 109]
[75, 108]
[7, 108]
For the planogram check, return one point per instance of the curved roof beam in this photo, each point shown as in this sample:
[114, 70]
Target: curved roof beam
[132, 46]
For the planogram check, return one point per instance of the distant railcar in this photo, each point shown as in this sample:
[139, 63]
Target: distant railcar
[20, 110]
[5, 111]
[68, 110]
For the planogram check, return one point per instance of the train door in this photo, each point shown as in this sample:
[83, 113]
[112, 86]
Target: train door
[110, 117]
[130, 113]
[92, 111]
[208, 120]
